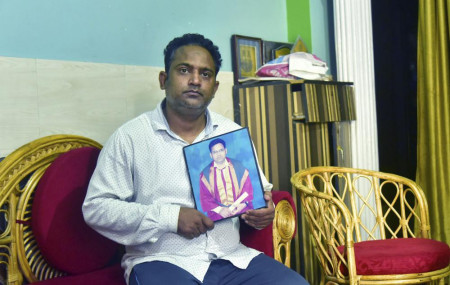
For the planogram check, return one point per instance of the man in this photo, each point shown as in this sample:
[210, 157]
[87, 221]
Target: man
[225, 186]
[140, 195]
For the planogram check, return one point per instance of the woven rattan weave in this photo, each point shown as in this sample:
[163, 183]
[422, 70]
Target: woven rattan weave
[345, 205]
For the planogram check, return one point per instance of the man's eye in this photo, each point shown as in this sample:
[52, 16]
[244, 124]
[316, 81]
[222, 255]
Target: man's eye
[183, 70]
[206, 74]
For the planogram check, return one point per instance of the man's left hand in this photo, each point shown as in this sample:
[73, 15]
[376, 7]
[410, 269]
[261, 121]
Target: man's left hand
[263, 217]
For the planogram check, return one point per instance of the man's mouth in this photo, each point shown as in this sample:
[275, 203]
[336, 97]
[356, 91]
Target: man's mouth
[193, 93]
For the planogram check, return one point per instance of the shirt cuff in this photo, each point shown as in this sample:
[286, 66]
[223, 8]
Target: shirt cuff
[169, 217]
[268, 187]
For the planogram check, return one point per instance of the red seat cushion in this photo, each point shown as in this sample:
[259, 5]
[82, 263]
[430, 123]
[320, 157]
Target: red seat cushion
[65, 240]
[399, 256]
[112, 275]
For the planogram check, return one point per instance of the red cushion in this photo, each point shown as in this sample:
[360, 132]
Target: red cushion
[262, 240]
[399, 256]
[112, 275]
[65, 240]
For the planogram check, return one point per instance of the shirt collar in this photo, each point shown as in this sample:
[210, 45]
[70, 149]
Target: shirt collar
[159, 121]
[226, 164]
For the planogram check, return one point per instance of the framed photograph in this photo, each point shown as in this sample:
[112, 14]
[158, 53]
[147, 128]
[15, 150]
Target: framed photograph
[224, 175]
[273, 50]
[246, 55]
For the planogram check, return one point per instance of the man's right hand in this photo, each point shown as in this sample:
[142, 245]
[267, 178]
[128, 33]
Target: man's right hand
[192, 223]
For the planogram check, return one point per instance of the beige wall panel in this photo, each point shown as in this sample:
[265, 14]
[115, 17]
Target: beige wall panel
[43, 97]
[143, 91]
[223, 101]
[13, 136]
[81, 98]
[18, 103]
[17, 77]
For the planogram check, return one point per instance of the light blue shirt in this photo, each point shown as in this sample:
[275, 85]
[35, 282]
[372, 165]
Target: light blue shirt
[138, 187]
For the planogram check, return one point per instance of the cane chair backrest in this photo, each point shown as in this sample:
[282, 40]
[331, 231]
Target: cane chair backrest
[20, 173]
[382, 205]
[345, 206]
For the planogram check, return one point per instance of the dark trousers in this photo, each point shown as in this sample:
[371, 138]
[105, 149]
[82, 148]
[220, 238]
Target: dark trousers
[261, 270]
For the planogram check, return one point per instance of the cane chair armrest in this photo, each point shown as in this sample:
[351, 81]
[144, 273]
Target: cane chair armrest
[275, 239]
[331, 226]
[284, 228]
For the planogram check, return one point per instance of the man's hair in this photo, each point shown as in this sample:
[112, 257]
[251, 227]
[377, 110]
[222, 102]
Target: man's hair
[194, 40]
[216, 141]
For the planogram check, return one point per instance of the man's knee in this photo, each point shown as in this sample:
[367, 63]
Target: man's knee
[278, 273]
[291, 277]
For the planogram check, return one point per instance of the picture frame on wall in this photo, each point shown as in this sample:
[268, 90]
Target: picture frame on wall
[273, 50]
[247, 56]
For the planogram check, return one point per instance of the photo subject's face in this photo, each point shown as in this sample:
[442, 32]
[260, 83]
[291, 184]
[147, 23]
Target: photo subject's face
[218, 153]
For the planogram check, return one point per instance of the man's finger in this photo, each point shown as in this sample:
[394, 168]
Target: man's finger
[209, 224]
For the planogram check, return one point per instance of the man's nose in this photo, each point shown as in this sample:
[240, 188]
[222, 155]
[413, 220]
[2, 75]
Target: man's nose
[195, 78]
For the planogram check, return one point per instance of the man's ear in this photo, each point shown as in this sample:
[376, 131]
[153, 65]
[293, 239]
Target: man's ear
[162, 80]
[216, 86]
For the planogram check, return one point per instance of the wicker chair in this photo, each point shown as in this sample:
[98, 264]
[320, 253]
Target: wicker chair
[25, 173]
[369, 227]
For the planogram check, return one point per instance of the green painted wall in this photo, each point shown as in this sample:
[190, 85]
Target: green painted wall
[311, 20]
[299, 21]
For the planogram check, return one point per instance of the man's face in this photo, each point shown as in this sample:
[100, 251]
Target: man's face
[191, 83]
[218, 153]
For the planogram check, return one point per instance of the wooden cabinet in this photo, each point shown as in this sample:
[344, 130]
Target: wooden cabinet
[295, 125]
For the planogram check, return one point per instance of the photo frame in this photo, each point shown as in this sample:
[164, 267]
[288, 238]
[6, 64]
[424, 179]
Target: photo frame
[224, 175]
[247, 56]
[272, 50]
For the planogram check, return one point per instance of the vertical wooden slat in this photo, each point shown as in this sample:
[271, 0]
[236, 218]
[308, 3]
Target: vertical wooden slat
[289, 125]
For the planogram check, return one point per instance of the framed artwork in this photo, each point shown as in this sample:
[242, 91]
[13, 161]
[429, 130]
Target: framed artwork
[246, 55]
[273, 50]
[224, 175]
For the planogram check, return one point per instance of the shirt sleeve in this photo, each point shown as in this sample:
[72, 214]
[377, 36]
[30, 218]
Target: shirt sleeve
[109, 206]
